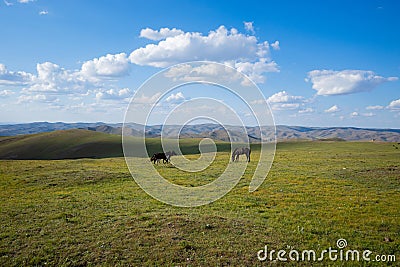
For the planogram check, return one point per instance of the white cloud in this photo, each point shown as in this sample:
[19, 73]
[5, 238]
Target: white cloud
[394, 105]
[52, 78]
[332, 109]
[37, 98]
[114, 94]
[275, 45]
[329, 82]
[43, 12]
[163, 33]
[375, 107]
[8, 3]
[6, 93]
[13, 78]
[205, 71]
[284, 101]
[106, 66]
[220, 45]
[178, 97]
[307, 110]
[25, 1]
[284, 97]
[355, 114]
[256, 70]
[249, 26]
[240, 51]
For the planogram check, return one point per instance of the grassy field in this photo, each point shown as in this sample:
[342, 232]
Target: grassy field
[91, 212]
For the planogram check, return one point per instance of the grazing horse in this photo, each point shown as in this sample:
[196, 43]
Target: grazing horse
[159, 156]
[240, 151]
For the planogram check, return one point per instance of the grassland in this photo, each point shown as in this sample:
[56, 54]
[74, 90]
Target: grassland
[91, 212]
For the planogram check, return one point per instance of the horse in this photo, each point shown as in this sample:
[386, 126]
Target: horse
[240, 151]
[159, 156]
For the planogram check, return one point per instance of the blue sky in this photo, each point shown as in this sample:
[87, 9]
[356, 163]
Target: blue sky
[330, 64]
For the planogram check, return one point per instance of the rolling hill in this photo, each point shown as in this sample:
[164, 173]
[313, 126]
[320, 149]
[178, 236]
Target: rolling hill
[79, 143]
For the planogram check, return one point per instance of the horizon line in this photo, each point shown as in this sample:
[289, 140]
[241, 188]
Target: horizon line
[110, 123]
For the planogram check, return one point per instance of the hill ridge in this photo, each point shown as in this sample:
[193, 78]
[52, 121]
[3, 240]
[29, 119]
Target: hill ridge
[214, 131]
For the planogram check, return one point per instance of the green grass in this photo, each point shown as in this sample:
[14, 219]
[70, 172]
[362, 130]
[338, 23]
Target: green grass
[91, 212]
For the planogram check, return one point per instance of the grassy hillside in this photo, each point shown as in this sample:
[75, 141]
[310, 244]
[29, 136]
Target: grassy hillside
[61, 144]
[77, 143]
[91, 212]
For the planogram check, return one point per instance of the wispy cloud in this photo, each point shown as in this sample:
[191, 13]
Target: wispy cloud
[332, 109]
[377, 107]
[8, 3]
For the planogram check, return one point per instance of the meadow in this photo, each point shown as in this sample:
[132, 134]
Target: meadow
[79, 212]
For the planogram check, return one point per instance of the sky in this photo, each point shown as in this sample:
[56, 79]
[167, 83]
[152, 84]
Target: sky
[330, 63]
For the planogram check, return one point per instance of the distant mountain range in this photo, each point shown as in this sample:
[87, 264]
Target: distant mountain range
[213, 131]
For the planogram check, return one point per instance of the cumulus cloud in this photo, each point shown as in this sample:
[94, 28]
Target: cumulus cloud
[394, 105]
[205, 71]
[275, 45]
[256, 70]
[283, 97]
[332, 109]
[329, 82]
[106, 66]
[43, 12]
[238, 50]
[163, 33]
[355, 114]
[283, 101]
[13, 78]
[114, 94]
[52, 78]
